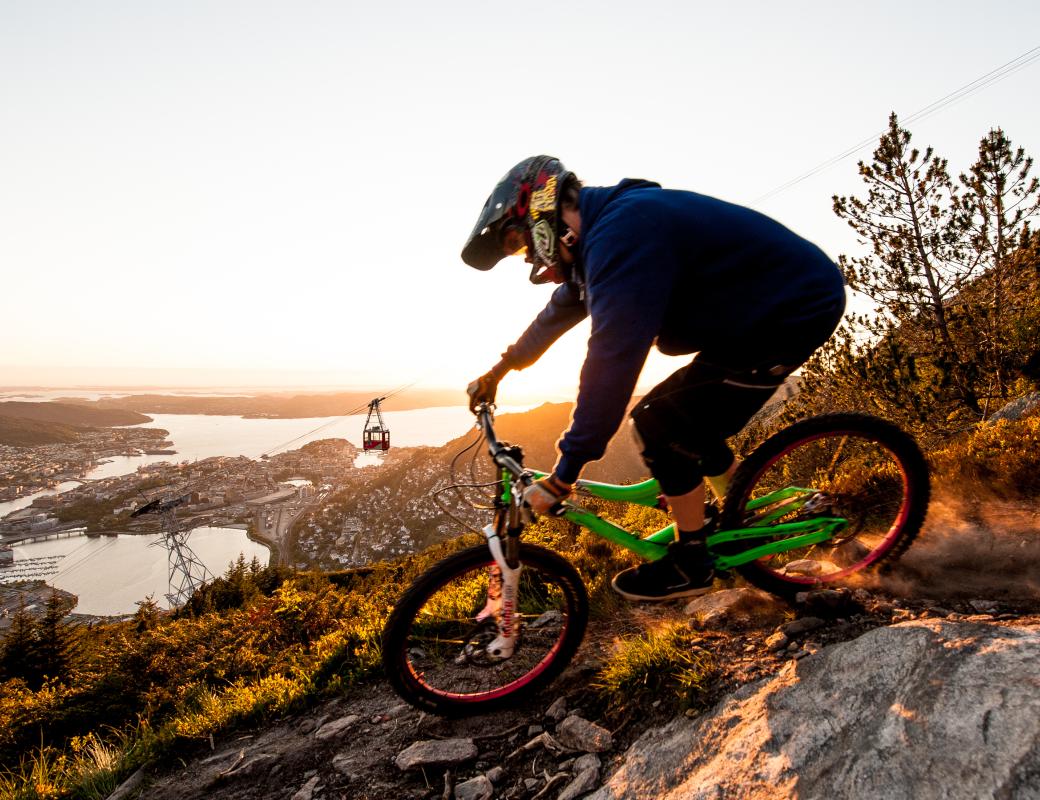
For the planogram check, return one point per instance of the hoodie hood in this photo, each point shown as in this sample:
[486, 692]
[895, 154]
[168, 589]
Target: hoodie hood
[595, 198]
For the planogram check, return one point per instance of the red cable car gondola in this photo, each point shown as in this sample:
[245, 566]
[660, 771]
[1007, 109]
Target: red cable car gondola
[376, 435]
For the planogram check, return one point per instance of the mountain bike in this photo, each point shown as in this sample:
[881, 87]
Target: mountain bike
[814, 504]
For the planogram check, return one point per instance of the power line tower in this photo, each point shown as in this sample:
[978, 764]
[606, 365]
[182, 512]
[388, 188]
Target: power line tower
[187, 572]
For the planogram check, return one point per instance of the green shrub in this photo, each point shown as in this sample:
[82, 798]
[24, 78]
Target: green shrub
[663, 663]
[997, 460]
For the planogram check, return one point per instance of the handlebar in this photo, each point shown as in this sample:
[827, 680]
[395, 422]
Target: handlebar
[502, 455]
[499, 452]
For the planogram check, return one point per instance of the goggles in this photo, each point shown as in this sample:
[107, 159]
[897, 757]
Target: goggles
[513, 239]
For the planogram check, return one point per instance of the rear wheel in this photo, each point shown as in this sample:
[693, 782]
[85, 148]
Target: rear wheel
[434, 642]
[860, 477]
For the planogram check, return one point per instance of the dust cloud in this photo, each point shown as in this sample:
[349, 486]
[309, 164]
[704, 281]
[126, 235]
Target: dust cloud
[979, 550]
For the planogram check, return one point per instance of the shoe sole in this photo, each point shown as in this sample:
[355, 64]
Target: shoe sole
[675, 595]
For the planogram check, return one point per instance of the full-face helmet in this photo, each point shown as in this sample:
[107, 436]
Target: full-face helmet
[523, 211]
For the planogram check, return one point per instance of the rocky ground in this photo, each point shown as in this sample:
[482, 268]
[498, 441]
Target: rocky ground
[369, 745]
[968, 588]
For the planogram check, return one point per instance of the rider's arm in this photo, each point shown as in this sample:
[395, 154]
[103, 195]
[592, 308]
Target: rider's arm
[631, 275]
[565, 309]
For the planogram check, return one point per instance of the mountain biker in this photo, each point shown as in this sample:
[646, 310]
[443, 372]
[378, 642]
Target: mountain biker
[679, 270]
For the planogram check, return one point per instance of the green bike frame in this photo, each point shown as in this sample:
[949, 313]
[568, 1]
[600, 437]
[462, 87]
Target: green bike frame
[654, 546]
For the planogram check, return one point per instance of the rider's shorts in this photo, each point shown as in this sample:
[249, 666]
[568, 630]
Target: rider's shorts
[682, 423]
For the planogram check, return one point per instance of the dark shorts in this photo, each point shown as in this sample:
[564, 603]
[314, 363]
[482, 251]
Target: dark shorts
[684, 421]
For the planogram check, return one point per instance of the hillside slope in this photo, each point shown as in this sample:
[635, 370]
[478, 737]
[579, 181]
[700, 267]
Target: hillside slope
[388, 510]
[71, 414]
[21, 432]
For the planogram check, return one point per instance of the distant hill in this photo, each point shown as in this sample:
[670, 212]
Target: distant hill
[20, 432]
[72, 414]
[281, 406]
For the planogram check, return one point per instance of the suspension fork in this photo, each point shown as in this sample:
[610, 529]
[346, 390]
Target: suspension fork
[504, 580]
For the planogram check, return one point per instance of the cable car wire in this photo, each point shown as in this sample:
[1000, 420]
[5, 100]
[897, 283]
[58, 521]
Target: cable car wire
[983, 81]
[356, 411]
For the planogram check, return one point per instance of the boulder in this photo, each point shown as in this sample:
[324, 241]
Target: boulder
[1017, 409]
[925, 709]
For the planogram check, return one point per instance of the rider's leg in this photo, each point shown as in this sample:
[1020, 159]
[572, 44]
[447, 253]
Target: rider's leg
[720, 483]
[682, 425]
[688, 509]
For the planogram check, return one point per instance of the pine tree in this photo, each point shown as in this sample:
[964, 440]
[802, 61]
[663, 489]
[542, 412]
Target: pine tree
[17, 657]
[999, 201]
[54, 646]
[912, 219]
[952, 271]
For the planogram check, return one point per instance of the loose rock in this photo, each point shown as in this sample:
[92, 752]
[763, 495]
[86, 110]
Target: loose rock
[580, 734]
[306, 791]
[343, 764]
[829, 603]
[735, 608]
[558, 710]
[309, 724]
[436, 752]
[777, 641]
[496, 775]
[478, 788]
[587, 761]
[585, 782]
[800, 626]
[549, 618]
[336, 727]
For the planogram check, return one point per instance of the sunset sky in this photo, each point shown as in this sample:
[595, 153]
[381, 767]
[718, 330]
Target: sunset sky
[276, 193]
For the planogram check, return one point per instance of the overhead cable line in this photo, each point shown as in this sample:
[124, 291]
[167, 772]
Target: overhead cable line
[984, 81]
[361, 408]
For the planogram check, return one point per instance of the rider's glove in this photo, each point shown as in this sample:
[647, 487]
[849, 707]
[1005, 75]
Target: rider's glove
[544, 494]
[483, 389]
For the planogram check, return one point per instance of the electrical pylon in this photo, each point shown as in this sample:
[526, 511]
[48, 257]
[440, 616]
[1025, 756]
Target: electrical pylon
[187, 572]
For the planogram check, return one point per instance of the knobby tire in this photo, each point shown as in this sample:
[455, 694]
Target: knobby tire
[399, 648]
[866, 430]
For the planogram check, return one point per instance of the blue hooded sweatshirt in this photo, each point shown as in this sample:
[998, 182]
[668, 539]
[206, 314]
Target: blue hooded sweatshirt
[681, 270]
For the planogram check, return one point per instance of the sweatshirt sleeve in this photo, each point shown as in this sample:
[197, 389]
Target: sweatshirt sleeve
[566, 308]
[630, 279]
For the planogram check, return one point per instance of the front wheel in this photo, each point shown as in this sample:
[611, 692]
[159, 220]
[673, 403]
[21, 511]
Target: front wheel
[852, 490]
[436, 639]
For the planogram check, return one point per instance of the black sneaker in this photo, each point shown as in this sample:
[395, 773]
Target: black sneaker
[687, 570]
